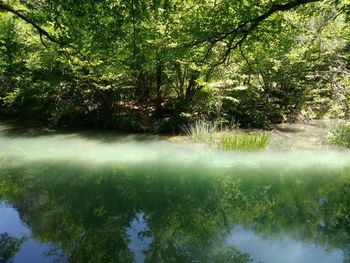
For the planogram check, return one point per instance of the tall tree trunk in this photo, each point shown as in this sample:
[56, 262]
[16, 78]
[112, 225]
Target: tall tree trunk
[159, 99]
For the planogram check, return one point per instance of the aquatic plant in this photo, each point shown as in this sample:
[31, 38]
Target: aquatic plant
[244, 141]
[281, 144]
[202, 131]
[340, 134]
[226, 138]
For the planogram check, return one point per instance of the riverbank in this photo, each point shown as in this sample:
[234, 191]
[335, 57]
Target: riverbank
[308, 135]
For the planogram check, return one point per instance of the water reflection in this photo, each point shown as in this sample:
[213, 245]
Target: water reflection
[138, 233]
[280, 249]
[16, 242]
[92, 213]
[78, 200]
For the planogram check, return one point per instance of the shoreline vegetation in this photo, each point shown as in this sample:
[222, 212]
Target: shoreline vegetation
[334, 133]
[339, 134]
[227, 138]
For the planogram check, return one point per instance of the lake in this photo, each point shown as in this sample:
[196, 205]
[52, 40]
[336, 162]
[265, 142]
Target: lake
[95, 196]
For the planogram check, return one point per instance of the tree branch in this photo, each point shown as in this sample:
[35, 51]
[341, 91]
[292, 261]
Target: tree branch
[242, 31]
[40, 30]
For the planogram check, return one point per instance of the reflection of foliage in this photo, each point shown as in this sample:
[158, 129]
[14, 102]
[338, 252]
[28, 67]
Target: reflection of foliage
[87, 209]
[226, 255]
[9, 246]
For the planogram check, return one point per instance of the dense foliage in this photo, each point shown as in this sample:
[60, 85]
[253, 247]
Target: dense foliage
[160, 64]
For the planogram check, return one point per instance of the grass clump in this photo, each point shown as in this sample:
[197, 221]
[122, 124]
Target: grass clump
[208, 132]
[340, 134]
[246, 142]
[202, 131]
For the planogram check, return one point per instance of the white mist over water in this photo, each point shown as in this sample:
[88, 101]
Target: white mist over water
[127, 150]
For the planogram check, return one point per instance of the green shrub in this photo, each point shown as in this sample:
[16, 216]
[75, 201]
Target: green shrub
[245, 142]
[126, 122]
[340, 134]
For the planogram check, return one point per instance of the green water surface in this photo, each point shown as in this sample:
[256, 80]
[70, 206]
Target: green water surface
[77, 196]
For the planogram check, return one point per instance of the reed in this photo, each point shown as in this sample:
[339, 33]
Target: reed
[246, 142]
[202, 131]
[340, 134]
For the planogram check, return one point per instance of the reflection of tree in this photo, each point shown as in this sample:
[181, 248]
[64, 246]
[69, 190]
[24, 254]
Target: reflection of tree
[190, 210]
[216, 253]
[9, 246]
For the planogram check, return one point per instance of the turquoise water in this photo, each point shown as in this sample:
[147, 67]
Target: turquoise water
[79, 196]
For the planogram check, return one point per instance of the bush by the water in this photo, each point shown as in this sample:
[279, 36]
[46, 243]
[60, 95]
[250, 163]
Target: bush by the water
[340, 134]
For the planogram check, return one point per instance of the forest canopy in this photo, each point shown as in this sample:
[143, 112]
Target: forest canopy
[159, 65]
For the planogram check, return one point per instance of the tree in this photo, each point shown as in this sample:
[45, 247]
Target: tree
[159, 64]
